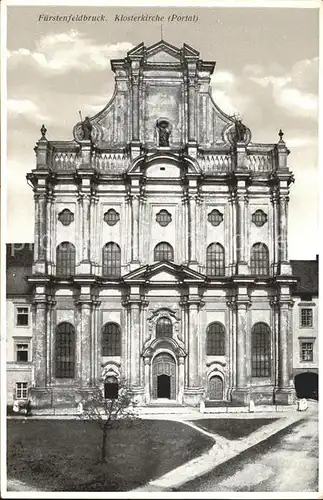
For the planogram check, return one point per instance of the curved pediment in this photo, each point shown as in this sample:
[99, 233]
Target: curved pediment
[163, 343]
[173, 165]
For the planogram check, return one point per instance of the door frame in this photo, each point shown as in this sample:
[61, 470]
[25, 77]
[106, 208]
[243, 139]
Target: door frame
[151, 381]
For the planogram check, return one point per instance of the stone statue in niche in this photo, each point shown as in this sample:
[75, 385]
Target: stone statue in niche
[87, 129]
[240, 131]
[163, 132]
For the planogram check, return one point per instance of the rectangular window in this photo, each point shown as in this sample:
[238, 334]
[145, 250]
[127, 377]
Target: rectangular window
[22, 316]
[306, 351]
[307, 317]
[21, 390]
[22, 353]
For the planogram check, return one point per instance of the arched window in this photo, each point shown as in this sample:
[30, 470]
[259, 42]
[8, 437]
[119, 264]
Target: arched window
[65, 351]
[163, 251]
[260, 350]
[164, 328]
[111, 340]
[65, 259]
[111, 260]
[215, 339]
[259, 262]
[215, 260]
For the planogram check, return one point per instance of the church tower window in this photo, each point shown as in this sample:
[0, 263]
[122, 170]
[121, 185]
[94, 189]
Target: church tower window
[111, 260]
[65, 351]
[163, 251]
[215, 260]
[164, 328]
[259, 259]
[65, 259]
[215, 340]
[111, 340]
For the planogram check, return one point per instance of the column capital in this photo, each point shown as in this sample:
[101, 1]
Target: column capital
[135, 300]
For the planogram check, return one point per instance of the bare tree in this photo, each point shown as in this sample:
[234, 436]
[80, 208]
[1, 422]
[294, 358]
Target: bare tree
[107, 412]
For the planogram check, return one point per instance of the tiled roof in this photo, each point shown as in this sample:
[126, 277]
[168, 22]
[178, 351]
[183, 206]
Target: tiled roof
[19, 266]
[307, 271]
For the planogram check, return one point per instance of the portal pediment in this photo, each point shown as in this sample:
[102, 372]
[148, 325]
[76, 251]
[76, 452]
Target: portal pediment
[164, 272]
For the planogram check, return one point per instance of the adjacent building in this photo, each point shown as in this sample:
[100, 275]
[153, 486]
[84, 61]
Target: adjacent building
[160, 254]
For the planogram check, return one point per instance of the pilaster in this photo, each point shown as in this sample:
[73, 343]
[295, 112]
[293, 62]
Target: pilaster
[194, 391]
[241, 387]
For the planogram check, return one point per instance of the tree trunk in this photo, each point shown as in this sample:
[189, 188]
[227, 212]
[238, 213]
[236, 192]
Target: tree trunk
[103, 444]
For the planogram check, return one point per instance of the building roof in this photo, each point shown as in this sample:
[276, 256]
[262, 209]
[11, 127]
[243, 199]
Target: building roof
[20, 258]
[307, 271]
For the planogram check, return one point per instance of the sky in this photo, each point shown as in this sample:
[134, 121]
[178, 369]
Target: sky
[266, 70]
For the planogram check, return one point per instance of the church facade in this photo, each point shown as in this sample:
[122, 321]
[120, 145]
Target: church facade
[160, 251]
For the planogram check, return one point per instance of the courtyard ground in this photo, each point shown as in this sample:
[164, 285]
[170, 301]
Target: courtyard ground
[62, 455]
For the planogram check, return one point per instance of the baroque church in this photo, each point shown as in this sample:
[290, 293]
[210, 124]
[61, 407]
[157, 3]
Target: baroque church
[160, 250]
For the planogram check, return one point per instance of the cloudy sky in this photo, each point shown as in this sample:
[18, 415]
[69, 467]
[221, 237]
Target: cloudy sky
[266, 69]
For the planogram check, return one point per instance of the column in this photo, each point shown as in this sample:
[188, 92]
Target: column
[50, 347]
[85, 303]
[185, 229]
[39, 392]
[283, 202]
[275, 339]
[135, 228]
[194, 391]
[86, 227]
[285, 393]
[147, 364]
[233, 233]
[240, 393]
[283, 370]
[180, 379]
[40, 232]
[135, 107]
[192, 208]
[49, 232]
[95, 343]
[40, 334]
[191, 108]
[275, 226]
[242, 242]
[193, 379]
[134, 339]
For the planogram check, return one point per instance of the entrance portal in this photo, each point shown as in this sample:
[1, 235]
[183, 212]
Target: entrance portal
[164, 377]
[215, 388]
[163, 386]
[306, 385]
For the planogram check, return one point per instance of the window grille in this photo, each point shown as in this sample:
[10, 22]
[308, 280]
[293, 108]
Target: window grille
[307, 351]
[163, 251]
[307, 317]
[164, 328]
[215, 260]
[215, 217]
[215, 339]
[259, 218]
[65, 351]
[111, 260]
[65, 259]
[163, 218]
[111, 340]
[66, 217]
[111, 217]
[22, 316]
[260, 350]
[259, 262]
[21, 390]
[22, 351]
